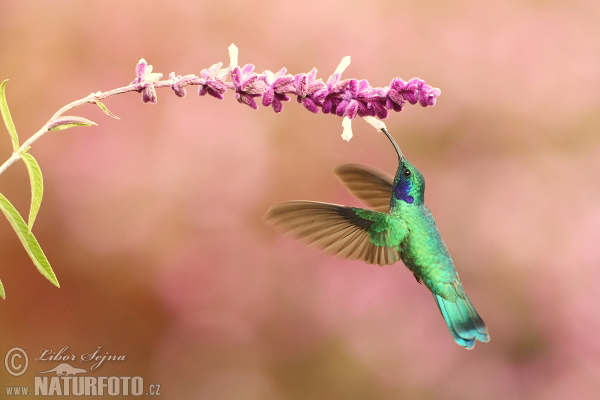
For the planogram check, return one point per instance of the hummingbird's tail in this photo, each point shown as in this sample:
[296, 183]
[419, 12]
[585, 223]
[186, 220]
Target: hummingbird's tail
[464, 323]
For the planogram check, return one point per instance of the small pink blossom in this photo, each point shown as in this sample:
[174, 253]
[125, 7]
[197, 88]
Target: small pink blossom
[212, 81]
[354, 100]
[279, 85]
[335, 92]
[310, 91]
[145, 80]
[247, 85]
[179, 83]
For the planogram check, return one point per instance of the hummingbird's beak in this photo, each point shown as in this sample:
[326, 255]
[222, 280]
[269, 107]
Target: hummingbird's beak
[400, 155]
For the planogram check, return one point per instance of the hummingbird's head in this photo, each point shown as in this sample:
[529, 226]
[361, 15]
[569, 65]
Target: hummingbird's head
[409, 184]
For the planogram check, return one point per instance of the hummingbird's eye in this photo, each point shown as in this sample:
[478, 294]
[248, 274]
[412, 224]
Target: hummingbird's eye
[406, 173]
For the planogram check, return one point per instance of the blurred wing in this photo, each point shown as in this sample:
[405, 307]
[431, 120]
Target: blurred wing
[371, 186]
[340, 230]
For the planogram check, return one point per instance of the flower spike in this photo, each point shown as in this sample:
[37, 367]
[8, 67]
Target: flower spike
[346, 98]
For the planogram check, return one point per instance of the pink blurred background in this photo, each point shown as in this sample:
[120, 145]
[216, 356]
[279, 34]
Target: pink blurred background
[153, 223]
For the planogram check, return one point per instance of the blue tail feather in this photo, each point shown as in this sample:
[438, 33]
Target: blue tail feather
[464, 323]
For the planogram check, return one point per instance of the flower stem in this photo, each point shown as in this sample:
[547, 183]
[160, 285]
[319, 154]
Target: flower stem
[14, 157]
[91, 99]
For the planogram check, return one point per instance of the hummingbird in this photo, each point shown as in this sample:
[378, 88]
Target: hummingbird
[398, 226]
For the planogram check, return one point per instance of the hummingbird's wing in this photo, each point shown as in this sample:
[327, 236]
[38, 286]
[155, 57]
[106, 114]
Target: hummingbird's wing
[348, 232]
[371, 186]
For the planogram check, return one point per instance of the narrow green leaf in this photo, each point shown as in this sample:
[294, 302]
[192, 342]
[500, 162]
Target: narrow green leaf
[29, 241]
[7, 118]
[2, 293]
[69, 122]
[37, 186]
[105, 109]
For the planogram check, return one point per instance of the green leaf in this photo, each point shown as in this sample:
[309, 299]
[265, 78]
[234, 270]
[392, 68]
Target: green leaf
[7, 118]
[37, 186]
[105, 109]
[69, 122]
[2, 293]
[29, 241]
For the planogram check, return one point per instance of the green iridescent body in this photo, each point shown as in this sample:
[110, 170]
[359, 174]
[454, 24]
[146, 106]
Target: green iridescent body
[424, 252]
[399, 227]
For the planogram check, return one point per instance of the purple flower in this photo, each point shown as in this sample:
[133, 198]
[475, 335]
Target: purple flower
[176, 86]
[179, 83]
[278, 86]
[401, 91]
[140, 71]
[212, 81]
[354, 100]
[411, 90]
[247, 85]
[395, 101]
[145, 80]
[149, 94]
[335, 91]
[428, 95]
[377, 103]
[310, 91]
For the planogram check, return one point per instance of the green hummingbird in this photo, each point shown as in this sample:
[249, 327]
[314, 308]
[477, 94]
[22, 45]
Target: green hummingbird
[399, 226]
